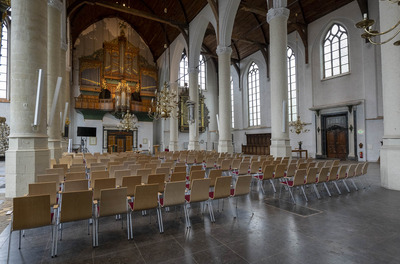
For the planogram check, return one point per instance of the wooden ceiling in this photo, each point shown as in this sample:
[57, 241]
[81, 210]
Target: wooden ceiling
[157, 27]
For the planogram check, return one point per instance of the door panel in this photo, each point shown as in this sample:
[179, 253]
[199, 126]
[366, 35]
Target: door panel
[336, 141]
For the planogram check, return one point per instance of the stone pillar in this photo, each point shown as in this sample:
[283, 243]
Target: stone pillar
[173, 123]
[390, 151]
[54, 9]
[63, 92]
[225, 110]
[194, 96]
[28, 154]
[277, 18]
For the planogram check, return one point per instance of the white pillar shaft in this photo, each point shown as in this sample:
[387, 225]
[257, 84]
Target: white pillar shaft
[194, 96]
[390, 151]
[54, 65]
[225, 110]
[173, 123]
[28, 153]
[277, 19]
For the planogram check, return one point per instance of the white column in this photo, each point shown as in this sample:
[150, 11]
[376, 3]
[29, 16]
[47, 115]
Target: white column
[390, 151]
[225, 110]
[63, 92]
[173, 123]
[28, 154]
[277, 18]
[54, 9]
[194, 96]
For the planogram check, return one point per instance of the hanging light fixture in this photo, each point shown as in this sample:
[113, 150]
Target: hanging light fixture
[298, 126]
[163, 105]
[369, 33]
[128, 122]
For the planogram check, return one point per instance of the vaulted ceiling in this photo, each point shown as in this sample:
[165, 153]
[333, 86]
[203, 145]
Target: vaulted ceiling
[160, 22]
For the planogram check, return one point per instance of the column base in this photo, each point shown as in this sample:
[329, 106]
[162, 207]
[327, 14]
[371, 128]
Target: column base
[194, 145]
[225, 146]
[173, 146]
[280, 148]
[64, 145]
[390, 165]
[26, 158]
[55, 149]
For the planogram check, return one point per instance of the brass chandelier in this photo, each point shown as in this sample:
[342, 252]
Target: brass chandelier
[298, 126]
[369, 33]
[128, 122]
[164, 103]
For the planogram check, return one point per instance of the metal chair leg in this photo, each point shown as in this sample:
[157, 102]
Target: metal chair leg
[291, 195]
[316, 191]
[354, 184]
[345, 185]
[305, 196]
[327, 189]
[337, 187]
[273, 185]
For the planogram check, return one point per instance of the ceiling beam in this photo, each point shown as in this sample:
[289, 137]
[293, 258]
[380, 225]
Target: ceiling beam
[256, 10]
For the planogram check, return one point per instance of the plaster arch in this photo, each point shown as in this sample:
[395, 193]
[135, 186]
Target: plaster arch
[227, 13]
[179, 45]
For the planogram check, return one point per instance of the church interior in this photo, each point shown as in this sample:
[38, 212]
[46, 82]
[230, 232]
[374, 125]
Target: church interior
[218, 131]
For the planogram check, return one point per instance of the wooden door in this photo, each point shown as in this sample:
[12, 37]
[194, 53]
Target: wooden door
[111, 143]
[336, 143]
[129, 143]
[121, 144]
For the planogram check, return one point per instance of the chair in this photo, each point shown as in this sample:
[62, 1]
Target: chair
[200, 193]
[226, 165]
[255, 167]
[342, 174]
[144, 173]
[59, 171]
[101, 184]
[97, 167]
[44, 188]
[242, 187]
[75, 206]
[114, 168]
[235, 164]
[244, 168]
[178, 176]
[118, 174]
[291, 170]
[180, 169]
[164, 170]
[112, 202]
[322, 178]
[32, 212]
[195, 168]
[146, 198]
[351, 172]
[213, 175]
[298, 180]
[174, 194]
[333, 175]
[76, 185]
[152, 166]
[75, 176]
[158, 179]
[267, 175]
[63, 166]
[49, 178]
[311, 179]
[194, 175]
[77, 169]
[222, 190]
[98, 175]
[130, 182]
[134, 168]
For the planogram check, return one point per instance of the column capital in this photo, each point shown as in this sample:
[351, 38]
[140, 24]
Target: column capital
[194, 70]
[56, 4]
[277, 12]
[223, 50]
[64, 46]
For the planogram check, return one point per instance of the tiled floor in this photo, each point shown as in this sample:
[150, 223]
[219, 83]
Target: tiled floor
[357, 227]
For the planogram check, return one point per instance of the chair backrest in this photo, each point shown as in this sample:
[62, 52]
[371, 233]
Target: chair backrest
[112, 163]
[178, 176]
[200, 174]
[213, 175]
[119, 174]
[76, 185]
[128, 162]
[77, 160]
[101, 184]
[146, 197]
[226, 164]
[31, 211]
[222, 187]
[333, 173]
[320, 164]
[77, 169]
[196, 168]
[328, 163]
[167, 165]
[336, 163]
[312, 175]
[134, 168]
[98, 175]
[130, 183]
[190, 159]
[242, 186]
[210, 162]
[62, 165]
[159, 179]
[364, 168]
[113, 201]
[255, 167]
[59, 171]
[352, 170]
[44, 188]
[299, 177]
[342, 172]
[323, 174]
[152, 166]
[76, 206]
[291, 170]
[280, 170]
[49, 178]
[180, 169]
[65, 160]
[311, 164]
[89, 162]
[359, 169]
[98, 167]
[199, 191]
[174, 193]
[164, 170]
[268, 171]
[75, 176]
[114, 168]
[302, 166]
[284, 161]
[236, 163]
[144, 173]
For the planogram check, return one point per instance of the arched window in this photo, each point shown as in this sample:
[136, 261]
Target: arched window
[292, 90]
[233, 104]
[336, 51]
[253, 84]
[202, 72]
[183, 70]
[3, 61]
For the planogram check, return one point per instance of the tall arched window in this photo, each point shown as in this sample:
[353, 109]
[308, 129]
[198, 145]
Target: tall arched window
[253, 84]
[3, 61]
[233, 104]
[183, 70]
[292, 90]
[202, 72]
[336, 51]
